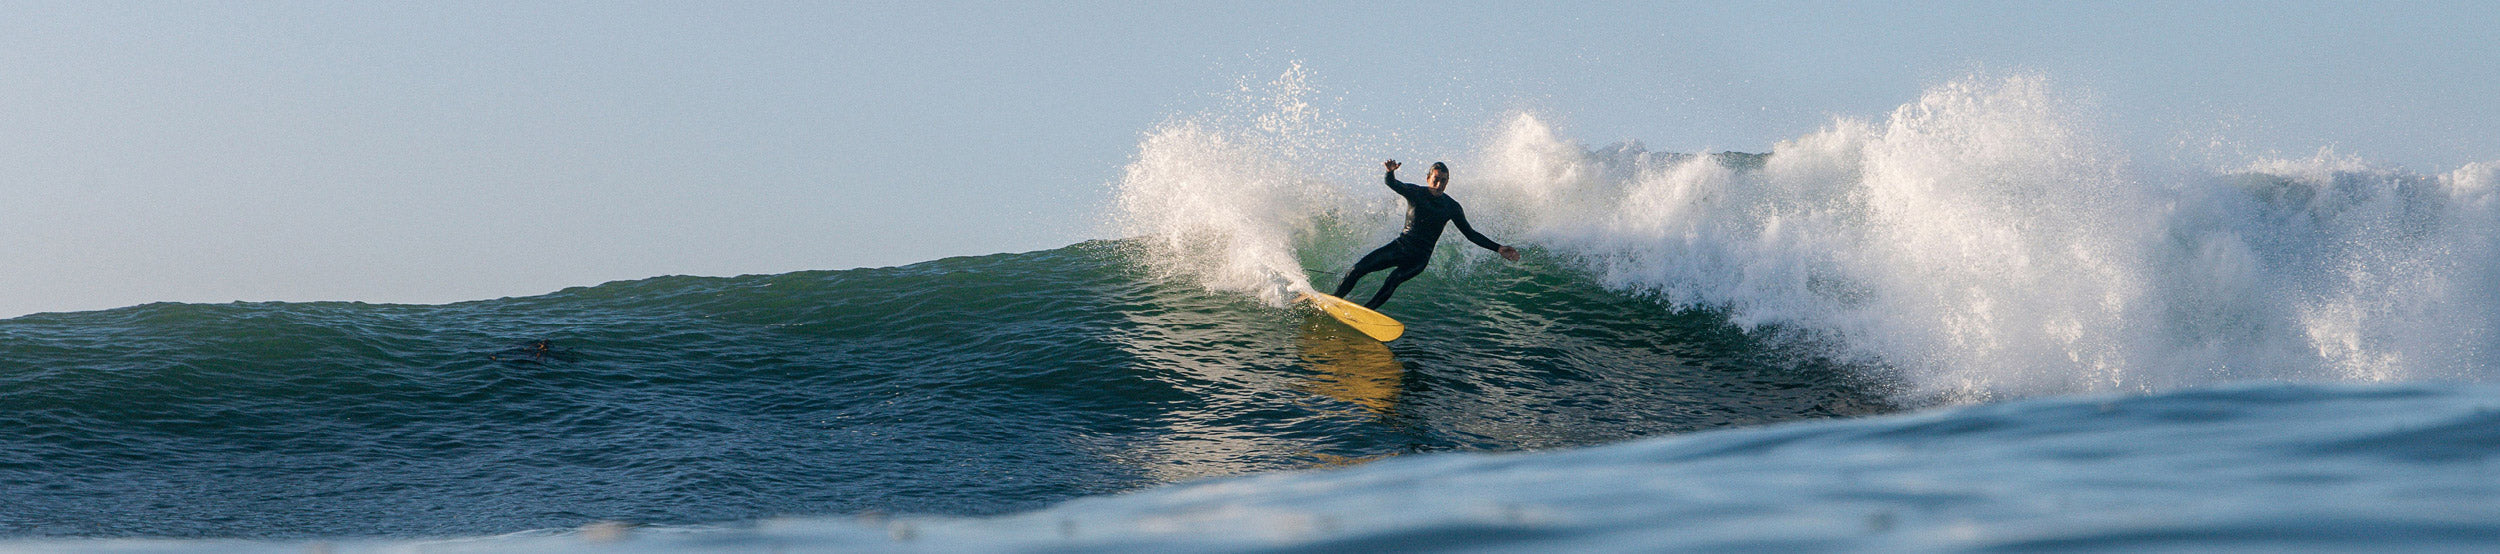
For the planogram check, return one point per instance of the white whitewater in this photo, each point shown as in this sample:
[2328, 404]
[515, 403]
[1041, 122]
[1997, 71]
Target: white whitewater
[1224, 199]
[1979, 242]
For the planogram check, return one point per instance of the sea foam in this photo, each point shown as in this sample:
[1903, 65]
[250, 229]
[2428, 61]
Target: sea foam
[1222, 197]
[1981, 241]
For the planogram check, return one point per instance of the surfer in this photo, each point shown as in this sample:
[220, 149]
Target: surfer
[1427, 209]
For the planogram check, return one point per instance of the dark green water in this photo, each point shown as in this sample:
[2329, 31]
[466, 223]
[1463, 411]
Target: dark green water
[965, 386]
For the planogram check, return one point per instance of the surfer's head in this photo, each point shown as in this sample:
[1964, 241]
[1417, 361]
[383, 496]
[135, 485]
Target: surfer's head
[1439, 178]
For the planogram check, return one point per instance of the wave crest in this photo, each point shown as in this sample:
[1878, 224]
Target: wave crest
[1221, 198]
[1981, 242]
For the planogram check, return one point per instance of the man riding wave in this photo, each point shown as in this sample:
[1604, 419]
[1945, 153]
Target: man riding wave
[1427, 210]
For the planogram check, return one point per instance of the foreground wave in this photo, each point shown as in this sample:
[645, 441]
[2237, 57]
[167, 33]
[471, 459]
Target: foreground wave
[2261, 467]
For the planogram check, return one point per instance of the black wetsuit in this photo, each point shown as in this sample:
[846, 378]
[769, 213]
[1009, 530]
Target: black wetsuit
[1426, 213]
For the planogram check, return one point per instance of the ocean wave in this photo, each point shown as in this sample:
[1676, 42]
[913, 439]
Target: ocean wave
[1978, 243]
[963, 386]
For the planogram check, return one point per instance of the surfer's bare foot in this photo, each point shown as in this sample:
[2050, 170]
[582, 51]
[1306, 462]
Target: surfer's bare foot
[1509, 253]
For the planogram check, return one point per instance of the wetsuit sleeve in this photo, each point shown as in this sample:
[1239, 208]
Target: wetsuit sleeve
[1472, 235]
[1401, 187]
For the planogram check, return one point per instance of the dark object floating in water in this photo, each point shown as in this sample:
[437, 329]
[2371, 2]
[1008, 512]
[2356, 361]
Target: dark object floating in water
[536, 351]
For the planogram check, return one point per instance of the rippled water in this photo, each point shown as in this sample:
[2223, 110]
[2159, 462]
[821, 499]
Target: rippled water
[964, 386]
[2257, 468]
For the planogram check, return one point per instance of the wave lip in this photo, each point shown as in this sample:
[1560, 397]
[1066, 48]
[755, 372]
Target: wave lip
[1982, 243]
[1224, 197]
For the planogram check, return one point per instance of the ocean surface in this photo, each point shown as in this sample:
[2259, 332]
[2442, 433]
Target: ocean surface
[2242, 468]
[1964, 325]
[965, 386]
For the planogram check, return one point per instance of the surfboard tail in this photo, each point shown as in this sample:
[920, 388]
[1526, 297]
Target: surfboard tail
[1371, 323]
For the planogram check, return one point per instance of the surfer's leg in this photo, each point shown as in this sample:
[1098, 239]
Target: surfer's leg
[1404, 272]
[1379, 259]
[1346, 285]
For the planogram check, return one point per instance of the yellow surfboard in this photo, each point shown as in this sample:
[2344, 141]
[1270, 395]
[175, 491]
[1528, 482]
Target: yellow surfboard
[1370, 323]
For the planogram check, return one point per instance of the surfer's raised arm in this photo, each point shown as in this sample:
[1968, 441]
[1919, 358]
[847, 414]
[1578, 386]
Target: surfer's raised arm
[1390, 177]
[1403, 188]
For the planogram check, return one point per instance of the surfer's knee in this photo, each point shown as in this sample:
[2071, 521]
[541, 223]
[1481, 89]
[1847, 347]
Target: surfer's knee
[1406, 272]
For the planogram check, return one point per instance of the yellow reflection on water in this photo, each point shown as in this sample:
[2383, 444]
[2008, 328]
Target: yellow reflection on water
[1350, 367]
[1229, 364]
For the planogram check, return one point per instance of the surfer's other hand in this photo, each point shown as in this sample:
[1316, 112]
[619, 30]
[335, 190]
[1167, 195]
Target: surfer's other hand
[1509, 253]
[1391, 164]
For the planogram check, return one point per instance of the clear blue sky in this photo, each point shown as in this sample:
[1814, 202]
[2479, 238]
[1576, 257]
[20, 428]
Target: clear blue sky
[440, 151]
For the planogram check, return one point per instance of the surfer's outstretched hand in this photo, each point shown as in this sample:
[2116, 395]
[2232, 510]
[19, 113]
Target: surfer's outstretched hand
[1509, 253]
[1391, 164]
